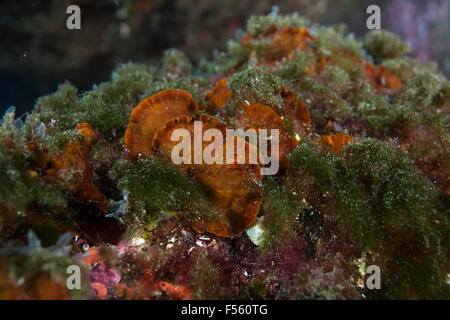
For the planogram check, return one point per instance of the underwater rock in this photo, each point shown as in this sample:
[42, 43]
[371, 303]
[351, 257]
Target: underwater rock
[363, 147]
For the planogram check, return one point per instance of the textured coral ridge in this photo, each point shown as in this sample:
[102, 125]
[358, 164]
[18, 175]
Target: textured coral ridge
[364, 177]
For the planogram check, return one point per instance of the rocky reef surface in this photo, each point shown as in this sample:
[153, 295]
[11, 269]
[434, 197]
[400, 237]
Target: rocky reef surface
[363, 179]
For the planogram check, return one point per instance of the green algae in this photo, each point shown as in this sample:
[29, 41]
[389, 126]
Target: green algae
[208, 278]
[374, 186]
[255, 86]
[62, 105]
[21, 189]
[161, 191]
[376, 192]
[257, 24]
[281, 212]
[176, 64]
[383, 45]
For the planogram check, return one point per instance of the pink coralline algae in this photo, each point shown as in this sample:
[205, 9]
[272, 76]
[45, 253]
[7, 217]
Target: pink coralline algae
[109, 277]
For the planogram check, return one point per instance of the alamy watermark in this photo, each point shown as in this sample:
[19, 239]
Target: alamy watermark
[374, 20]
[73, 21]
[374, 280]
[74, 279]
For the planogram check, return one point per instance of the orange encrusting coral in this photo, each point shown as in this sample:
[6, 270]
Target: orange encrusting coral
[295, 107]
[175, 292]
[40, 286]
[258, 116]
[8, 288]
[284, 43]
[163, 143]
[381, 78]
[286, 40]
[93, 256]
[219, 95]
[235, 196]
[41, 156]
[150, 115]
[335, 142]
[229, 185]
[75, 161]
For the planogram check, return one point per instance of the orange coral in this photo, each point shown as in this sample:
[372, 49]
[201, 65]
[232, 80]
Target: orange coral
[146, 287]
[320, 65]
[335, 142]
[43, 287]
[147, 281]
[284, 42]
[40, 286]
[219, 95]
[151, 114]
[99, 289]
[162, 139]
[134, 293]
[41, 157]
[93, 256]
[234, 197]
[75, 161]
[289, 39]
[175, 292]
[381, 78]
[296, 107]
[8, 288]
[229, 185]
[258, 116]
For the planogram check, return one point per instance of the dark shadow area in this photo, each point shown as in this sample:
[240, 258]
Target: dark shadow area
[38, 52]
